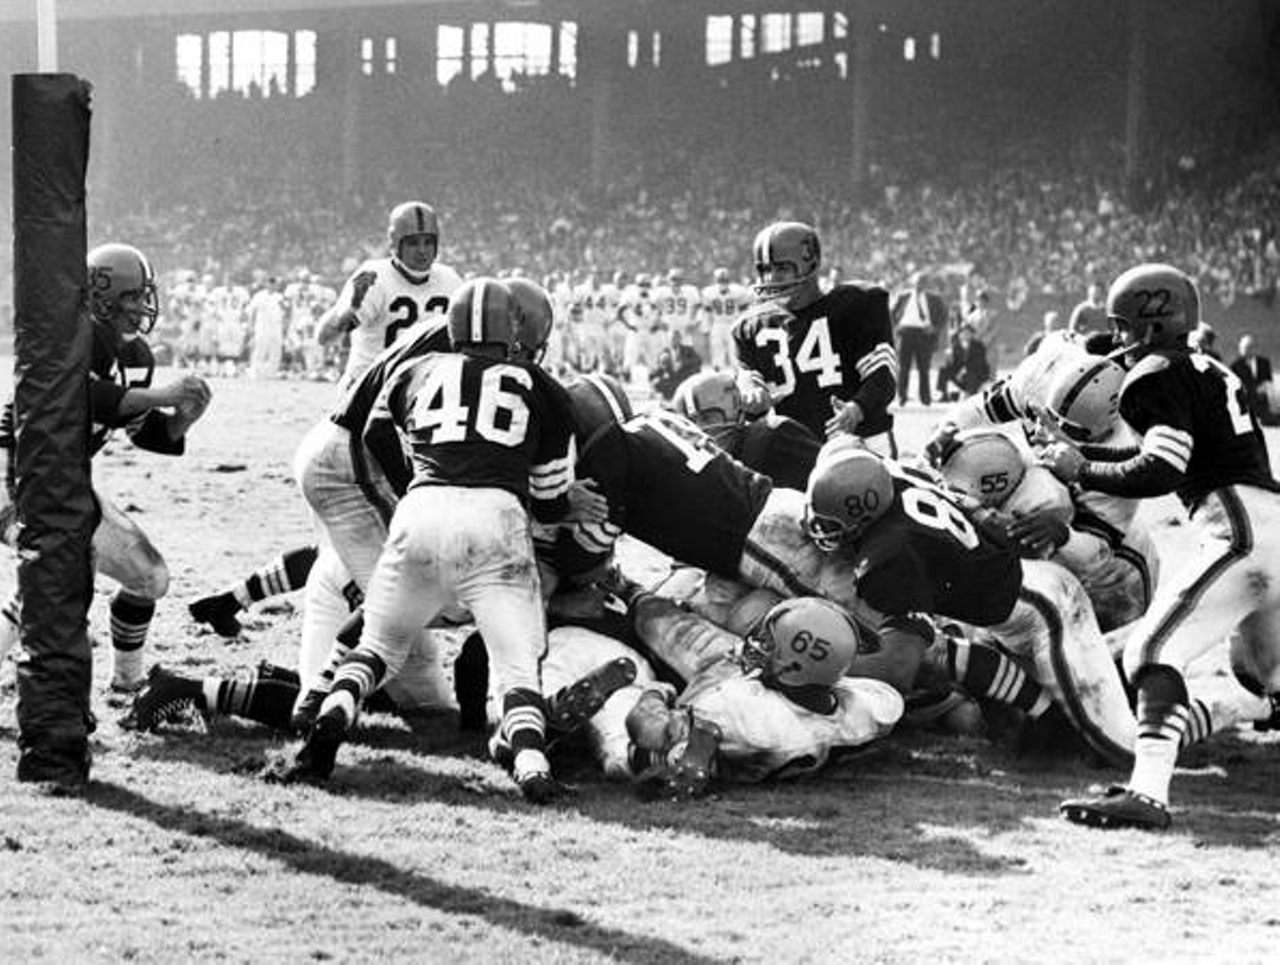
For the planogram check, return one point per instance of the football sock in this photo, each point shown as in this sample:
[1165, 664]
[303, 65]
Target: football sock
[360, 675]
[1163, 717]
[984, 671]
[524, 725]
[130, 620]
[286, 573]
[254, 697]
[1199, 723]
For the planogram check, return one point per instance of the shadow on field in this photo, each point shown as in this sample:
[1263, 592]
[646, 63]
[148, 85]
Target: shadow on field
[307, 857]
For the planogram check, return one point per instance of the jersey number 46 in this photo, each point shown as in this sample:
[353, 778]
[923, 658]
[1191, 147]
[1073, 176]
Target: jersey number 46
[496, 414]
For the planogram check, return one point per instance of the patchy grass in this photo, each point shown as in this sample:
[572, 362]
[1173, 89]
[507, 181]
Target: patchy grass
[929, 848]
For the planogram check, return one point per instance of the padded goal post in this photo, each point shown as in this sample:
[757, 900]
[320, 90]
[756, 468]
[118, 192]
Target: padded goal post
[53, 339]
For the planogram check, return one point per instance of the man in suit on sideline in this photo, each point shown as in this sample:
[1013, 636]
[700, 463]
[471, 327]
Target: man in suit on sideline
[1254, 371]
[919, 317]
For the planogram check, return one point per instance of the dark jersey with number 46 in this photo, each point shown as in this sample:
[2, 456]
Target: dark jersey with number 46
[841, 347]
[670, 486]
[470, 420]
[1192, 411]
[925, 555]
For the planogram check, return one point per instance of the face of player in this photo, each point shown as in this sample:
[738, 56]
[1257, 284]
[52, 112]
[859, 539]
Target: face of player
[417, 252]
[135, 314]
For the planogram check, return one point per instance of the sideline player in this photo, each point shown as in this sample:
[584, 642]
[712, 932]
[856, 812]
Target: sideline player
[1200, 440]
[387, 295]
[124, 305]
[825, 360]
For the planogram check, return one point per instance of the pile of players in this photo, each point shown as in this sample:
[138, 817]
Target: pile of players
[819, 589]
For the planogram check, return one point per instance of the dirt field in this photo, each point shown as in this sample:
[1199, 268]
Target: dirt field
[933, 849]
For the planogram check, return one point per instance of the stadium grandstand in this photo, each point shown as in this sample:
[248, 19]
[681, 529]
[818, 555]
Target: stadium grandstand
[1021, 146]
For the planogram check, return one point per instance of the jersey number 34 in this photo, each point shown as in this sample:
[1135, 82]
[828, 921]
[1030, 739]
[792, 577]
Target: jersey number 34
[814, 354]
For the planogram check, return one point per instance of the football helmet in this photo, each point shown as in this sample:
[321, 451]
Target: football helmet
[599, 401]
[1152, 306]
[709, 399]
[985, 465]
[802, 644]
[787, 258]
[849, 489]
[720, 276]
[1083, 400]
[122, 289]
[534, 318]
[406, 220]
[482, 312]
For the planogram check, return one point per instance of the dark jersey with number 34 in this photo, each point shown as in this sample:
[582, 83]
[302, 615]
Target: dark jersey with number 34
[925, 555]
[839, 347]
[670, 486]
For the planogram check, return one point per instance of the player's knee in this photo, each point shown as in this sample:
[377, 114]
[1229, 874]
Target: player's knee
[150, 578]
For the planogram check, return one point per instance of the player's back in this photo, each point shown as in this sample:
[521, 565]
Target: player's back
[926, 555]
[670, 486]
[475, 421]
[1195, 403]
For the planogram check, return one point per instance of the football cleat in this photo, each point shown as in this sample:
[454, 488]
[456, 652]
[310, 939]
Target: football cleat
[572, 706]
[688, 767]
[219, 611]
[532, 774]
[306, 710]
[316, 758]
[1117, 807]
[166, 697]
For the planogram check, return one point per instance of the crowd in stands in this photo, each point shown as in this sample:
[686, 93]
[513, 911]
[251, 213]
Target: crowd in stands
[1043, 223]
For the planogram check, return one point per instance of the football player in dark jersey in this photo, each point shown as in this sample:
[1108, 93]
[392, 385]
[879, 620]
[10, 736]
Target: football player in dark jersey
[915, 552]
[825, 360]
[1199, 440]
[489, 440]
[772, 445]
[124, 305]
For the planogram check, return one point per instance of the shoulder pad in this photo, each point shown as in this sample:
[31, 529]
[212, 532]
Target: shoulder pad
[1148, 365]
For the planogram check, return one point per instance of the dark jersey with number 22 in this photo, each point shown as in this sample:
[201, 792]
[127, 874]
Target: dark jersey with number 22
[670, 486]
[926, 556]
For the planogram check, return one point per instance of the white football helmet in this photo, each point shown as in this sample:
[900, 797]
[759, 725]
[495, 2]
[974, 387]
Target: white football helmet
[849, 488]
[1083, 400]
[806, 642]
[709, 399]
[985, 465]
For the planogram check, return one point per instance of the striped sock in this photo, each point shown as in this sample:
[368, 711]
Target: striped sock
[1163, 717]
[984, 671]
[262, 699]
[1199, 723]
[360, 675]
[524, 723]
[130, 620]
[286, 573]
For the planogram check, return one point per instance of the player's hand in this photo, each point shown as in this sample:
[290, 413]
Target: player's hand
[1063, 460]
[586, 503]
[360, 286]
[1038, 534]
[941, 443]
[756, 400]
[846, 417]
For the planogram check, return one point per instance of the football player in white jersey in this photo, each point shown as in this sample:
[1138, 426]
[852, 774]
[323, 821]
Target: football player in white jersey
[387, 295]
[722, 302]
[681, 307]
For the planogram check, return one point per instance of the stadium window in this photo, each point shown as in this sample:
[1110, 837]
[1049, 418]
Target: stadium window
[479, 49]
[448, 54]
[841, 60]
[747, 36]
[389, 54]
[260, 60]
[219, 62]
[839, 26]
[633, 48]
[719, 40]
[809, 28]
[366, 56]
[776, 32]
[523, 48]
[189, 59]
[655, 49]
[909, 48]
[935, 46]
[568, 66]
[304, 62]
